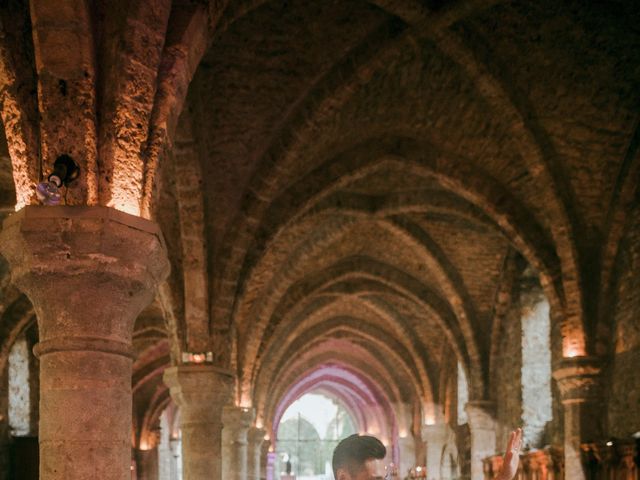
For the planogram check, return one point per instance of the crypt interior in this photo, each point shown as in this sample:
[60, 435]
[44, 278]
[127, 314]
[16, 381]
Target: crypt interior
[294, 220]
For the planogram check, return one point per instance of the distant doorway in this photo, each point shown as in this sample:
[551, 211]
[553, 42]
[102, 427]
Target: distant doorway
[308, 432]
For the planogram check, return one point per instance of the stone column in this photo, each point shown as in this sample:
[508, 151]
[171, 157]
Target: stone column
[236, 422]
[579, 382]
[147, 464]
[435, 438]
[255, 437]
[482, 427]
[407, 460]
[201, 391]
[88, 271]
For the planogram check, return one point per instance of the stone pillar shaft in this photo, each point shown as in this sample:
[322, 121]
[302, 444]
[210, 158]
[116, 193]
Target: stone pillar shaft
[435, 437]
[201, 391]
[236, 422]
[147, 464]
[255, 438]
[483, 434]
[88, 271]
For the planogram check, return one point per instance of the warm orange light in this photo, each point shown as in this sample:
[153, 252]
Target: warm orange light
[572, 347]
[402, 434]
[571, 352]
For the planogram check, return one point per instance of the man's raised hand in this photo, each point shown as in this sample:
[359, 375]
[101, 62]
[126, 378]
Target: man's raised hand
[512, 456]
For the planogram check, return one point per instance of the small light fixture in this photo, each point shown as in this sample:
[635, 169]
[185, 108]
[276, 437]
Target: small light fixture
[197, 357]
[65, 171]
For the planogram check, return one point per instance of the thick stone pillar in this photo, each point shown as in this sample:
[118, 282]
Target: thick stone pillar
[579, 382]
[482, 425]
[201, 391]
[88, 271]
[435, 437]
[255, 438]
[236, 422]
[147, 466]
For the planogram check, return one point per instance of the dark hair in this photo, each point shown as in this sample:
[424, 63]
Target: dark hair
[353, 451]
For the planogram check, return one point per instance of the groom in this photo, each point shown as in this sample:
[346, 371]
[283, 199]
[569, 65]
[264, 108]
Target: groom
[360, 457]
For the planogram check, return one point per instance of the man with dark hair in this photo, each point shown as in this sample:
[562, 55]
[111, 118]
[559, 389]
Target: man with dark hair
[360, 457]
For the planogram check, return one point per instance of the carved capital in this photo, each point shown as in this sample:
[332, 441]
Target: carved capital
[579, 379]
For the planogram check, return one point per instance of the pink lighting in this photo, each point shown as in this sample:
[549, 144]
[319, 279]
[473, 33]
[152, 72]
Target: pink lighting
[366, 402]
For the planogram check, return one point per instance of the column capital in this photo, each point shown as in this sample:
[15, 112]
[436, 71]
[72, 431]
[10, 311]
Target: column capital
[255, 436]
[236, 421]
[481, 414]
[204, 388]
[579, 379]
[78, 265]
[201, 392]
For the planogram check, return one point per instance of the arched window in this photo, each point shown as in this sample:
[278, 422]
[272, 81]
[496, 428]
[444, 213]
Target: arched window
[536, 365]
[21, 382]
[307, 434]
[463, 395]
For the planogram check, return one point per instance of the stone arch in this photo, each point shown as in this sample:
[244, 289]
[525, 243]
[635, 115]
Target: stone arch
[408, 286]
[619, 223]
[148, 437]
[187, 174]
[14, 320]
[354, 387]
[334, 328]
[491, 90]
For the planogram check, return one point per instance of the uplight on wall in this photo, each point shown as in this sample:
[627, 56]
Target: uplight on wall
[65, 171]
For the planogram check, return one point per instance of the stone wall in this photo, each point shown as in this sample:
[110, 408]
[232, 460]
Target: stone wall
[624, 386]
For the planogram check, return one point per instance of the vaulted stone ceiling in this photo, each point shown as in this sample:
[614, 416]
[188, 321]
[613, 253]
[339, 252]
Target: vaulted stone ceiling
[370, 169]
[352, 185]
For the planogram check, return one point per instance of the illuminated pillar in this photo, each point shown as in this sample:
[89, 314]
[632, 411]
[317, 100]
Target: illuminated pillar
[201, 392]
[482, 427]
[236, 422]
[255, 438]
[435, 437]
[88, 271]
[579, 382]
[147, 464]
[407, 447]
